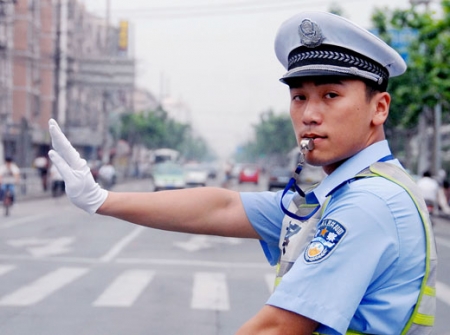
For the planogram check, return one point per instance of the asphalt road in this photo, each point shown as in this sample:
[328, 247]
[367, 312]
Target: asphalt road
[63, 271]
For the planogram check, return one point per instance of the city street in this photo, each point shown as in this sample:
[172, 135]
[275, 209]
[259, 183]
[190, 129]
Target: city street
[63, 271]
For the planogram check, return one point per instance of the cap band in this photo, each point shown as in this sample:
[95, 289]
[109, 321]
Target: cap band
[334, 59]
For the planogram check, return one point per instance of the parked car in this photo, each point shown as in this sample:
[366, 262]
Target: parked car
[212, 170]
[195, 175]
[249, 174]
[279, 177]
[167, 176]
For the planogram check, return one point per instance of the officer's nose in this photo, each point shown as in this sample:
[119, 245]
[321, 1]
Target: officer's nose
[311, 114]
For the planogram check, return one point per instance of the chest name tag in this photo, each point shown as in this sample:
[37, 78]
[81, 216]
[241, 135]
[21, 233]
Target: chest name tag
[328, 235]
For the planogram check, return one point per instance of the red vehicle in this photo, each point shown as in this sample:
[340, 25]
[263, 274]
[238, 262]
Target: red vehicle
[249, 174]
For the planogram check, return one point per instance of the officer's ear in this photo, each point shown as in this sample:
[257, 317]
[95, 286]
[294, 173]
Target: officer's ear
[380, 103]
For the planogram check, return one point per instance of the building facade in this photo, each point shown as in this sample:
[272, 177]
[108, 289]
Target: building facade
[57, 60]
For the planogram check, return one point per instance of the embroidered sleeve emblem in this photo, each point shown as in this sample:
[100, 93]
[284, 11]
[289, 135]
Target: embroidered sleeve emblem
[328, 235]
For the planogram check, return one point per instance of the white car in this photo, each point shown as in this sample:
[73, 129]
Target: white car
[195, 175]
[167, 176]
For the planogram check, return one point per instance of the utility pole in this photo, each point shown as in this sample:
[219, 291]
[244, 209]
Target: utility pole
[437, 138]
[7, 12]
[436, 162]
[60, 78]
[57, 57]
[105, 96]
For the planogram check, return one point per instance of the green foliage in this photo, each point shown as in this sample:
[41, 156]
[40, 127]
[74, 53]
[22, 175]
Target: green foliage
[154, 129]
[335, 8]
[273, 136]
[427, 79]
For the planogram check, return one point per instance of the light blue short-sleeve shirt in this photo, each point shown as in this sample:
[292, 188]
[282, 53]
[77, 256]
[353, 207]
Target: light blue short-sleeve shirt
[370, 281]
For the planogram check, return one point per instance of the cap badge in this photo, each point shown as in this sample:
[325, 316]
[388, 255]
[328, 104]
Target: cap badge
[310, 34]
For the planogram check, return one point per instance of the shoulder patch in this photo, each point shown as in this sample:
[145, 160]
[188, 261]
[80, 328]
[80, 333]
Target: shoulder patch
[328, 235]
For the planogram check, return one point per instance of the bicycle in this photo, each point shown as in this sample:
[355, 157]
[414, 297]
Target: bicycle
[8, 199]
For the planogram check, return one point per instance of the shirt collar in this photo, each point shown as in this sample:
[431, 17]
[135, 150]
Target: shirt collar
[351, 167]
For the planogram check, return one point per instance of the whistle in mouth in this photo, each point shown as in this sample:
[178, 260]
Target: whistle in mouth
[307, 144]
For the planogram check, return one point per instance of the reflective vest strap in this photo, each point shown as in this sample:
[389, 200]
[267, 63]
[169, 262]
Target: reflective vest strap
[427, 308]
[424, 320]
[430, 291]
[425, 300]
[348, 332]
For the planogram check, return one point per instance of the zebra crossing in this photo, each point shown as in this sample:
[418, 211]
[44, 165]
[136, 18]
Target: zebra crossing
[125, 289]
[209, 289]
[42, 287]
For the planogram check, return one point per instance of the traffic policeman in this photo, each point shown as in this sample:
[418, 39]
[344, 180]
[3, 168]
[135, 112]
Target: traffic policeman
[355, 254]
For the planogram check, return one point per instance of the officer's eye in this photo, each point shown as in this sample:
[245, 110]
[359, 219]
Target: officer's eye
[331, 95]
[299, 97]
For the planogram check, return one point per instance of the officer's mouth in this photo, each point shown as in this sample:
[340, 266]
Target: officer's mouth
[312, 137]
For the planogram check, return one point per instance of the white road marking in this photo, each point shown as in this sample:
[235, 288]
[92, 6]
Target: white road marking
[142, 261]
[4, 269]
[190, 263]
[443, 292]
[42, 247]
[195, 243]
[199, 242]
[119, 246]
[125, 289]
[76, 260]
[43, 287]
[210, 292]
[27, 219]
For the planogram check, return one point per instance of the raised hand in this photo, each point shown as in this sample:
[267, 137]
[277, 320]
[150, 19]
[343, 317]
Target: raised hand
[81, 188]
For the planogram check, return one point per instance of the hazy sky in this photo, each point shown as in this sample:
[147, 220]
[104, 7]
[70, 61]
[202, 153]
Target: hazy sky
[218, 57]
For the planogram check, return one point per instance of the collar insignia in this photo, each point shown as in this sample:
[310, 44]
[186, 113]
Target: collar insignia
[310, 34]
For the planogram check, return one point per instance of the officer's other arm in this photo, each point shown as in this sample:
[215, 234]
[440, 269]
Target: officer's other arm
[272, 320]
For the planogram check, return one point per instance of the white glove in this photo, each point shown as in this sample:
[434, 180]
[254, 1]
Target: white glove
[81, 187]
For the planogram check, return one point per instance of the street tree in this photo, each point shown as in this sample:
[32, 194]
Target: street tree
[426, 82]
[272, 138]
[155, 129]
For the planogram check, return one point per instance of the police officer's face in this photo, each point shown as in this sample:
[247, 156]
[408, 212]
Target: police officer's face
[339, 116]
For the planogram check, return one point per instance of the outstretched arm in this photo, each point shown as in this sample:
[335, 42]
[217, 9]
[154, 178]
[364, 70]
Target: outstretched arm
[212, 211]
[204, 210]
